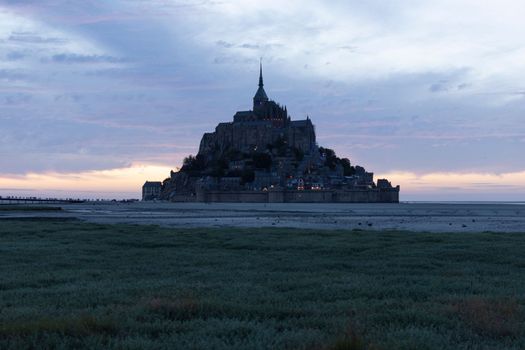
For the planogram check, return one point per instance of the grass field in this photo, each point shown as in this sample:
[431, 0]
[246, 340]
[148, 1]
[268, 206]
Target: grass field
[68, 284]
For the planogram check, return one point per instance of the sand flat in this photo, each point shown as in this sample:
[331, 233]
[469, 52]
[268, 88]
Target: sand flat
[431, 217]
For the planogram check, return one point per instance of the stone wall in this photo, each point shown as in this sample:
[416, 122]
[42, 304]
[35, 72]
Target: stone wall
[232, 196]
[245, 136]
[183, 198]
[301, 134]
[368, 196]
[287, 196]
[308, 196]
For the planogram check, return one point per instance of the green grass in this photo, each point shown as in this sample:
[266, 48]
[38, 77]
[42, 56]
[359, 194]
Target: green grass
[67, 284]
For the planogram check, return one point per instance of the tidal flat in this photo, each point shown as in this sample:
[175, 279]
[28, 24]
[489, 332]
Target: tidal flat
[418, 217]
[69, 284]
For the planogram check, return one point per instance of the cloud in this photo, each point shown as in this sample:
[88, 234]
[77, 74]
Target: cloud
[232, 59]
[76, 58]
[12, 75]
[15, 55]
[113, 183]
[364, 42]
[16, 99]
[249, 46]
[224, 44]
[486, 186]
[349, 48]
[33, 38]
[439, 87]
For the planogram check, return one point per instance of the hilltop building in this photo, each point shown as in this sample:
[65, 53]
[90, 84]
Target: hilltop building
[265, 156]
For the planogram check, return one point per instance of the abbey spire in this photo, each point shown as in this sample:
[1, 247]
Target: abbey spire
[261, 84]
[260, 97]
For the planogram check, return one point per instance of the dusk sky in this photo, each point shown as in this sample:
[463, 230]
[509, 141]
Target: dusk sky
[98, 96]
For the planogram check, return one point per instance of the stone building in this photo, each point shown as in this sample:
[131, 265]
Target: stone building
[151, 190]
[266, 124]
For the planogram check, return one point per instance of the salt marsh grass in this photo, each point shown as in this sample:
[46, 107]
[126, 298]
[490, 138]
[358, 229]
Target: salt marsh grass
[69, 284]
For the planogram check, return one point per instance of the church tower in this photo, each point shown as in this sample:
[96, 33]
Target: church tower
[260, 97]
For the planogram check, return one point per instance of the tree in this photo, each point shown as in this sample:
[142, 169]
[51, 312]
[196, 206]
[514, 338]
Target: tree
[299, 155]
[262, 160]
[348, 169]
[247, 176]
[193, 164]
[331, 159]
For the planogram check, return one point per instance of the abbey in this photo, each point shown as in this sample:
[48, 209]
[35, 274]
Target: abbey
[254, 130]
[265, 156]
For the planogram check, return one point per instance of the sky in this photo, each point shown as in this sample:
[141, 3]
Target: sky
[97, 97]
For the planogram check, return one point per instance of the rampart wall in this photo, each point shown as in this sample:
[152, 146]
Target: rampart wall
[288, 196]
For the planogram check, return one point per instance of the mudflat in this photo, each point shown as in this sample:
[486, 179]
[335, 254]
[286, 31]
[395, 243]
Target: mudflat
[428, 217]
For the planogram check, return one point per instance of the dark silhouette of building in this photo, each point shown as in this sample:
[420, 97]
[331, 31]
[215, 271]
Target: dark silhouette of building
[151, 190]
[263, 149]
